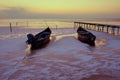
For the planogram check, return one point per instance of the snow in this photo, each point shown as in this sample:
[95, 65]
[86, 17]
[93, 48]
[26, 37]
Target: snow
[64, 58]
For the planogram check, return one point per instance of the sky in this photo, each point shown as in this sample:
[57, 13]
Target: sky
[59, 9]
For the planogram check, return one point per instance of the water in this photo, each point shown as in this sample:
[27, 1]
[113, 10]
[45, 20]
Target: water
[59, 23]
[37, 23]
[64, 58]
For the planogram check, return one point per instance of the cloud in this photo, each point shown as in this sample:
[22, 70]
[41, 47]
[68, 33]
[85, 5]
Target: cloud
[12, 12]
[22, 13]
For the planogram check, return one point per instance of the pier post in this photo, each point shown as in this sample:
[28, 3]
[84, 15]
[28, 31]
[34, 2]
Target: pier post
[74, 25]
[118, 31]
[10, 27]
[98, 28]
[102, 28]
[88, 26]
[107, 28]
[84, 26]
[113, 30]
[93, 28]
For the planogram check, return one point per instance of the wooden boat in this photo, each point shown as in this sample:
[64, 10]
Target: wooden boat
[40, 39]
[86, 36]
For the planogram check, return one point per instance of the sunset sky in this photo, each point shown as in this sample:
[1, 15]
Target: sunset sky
[59, 8]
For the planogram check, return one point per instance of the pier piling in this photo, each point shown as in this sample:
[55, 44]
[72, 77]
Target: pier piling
[111, 29]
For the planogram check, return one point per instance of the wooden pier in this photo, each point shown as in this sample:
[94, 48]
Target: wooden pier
[111, 29]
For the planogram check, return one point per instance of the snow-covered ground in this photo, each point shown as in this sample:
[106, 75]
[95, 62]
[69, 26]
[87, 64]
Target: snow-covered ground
[64, 58]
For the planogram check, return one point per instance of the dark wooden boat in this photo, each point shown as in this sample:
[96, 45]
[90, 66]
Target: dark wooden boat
[40, 39]
[86, 36]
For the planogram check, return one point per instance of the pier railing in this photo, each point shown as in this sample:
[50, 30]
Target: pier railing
[111, 29]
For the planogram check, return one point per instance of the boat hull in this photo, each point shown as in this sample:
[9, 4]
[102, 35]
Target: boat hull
[40, 43]
[86, 40]
[86, 37]
[39, 40]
